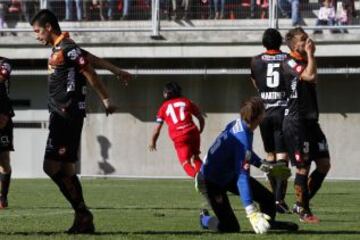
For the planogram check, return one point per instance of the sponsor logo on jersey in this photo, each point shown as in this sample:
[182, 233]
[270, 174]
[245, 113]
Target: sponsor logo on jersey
[82, 105]
[292, 63]
[277, 57]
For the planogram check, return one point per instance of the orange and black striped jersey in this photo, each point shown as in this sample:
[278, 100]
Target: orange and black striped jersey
[67, 84]
[5, 102]
[302, 99]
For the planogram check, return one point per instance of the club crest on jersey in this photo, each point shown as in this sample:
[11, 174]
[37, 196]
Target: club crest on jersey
[74, 54]
[298, 157]
[62, 150]
[299, 69]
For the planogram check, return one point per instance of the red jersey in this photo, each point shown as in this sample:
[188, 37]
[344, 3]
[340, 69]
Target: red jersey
[177, 113]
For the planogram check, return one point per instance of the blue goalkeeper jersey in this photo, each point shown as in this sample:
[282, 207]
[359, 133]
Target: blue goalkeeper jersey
[229, 158]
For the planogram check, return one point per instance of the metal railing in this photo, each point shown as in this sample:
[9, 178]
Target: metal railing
[155, 16]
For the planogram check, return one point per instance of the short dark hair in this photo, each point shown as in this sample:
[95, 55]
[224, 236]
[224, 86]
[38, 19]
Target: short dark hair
[45, 16]
[251, 109]
[172, 89]
[272, 39]
[290, 35]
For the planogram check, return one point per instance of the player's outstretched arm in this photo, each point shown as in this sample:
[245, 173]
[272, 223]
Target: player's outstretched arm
[310, 72]
[155, 136]
[99, 88]
[101, 63]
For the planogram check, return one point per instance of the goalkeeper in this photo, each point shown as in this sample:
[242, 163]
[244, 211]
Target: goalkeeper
[227, 169]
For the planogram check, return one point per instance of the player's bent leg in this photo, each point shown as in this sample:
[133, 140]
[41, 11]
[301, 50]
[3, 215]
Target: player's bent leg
[225, 220]
[188, 168]
[317, 177]
[5, 178]
[263, 197]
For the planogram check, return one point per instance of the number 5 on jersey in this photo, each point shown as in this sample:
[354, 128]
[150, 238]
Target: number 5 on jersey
[272, 75]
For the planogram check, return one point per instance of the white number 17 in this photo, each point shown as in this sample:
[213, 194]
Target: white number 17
[171, 111]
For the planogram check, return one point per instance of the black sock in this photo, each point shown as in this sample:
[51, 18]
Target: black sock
[5, 184]
[273, 184]
[302, 191]
[281, 187]
[70, 187]
[315, 180]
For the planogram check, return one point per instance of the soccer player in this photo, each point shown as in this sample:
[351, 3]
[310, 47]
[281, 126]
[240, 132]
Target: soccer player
[227, 169]
[6, 131]
[177, 112]
[267, 77]
[304, 137]
[69, 71]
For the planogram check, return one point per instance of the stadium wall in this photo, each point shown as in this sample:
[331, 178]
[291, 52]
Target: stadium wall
[117, 145]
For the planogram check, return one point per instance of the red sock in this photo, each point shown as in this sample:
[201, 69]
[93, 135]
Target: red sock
[198, 164]
[190, 170]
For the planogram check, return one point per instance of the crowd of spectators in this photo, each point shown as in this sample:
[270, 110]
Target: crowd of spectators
[331, 12]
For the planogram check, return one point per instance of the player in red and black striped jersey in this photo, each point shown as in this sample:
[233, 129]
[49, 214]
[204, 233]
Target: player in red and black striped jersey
[304, 137]
[267, 77]
[177, 112]
[6, 130]
[69, 71]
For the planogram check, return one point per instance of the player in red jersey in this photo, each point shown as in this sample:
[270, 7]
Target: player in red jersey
[177, 112]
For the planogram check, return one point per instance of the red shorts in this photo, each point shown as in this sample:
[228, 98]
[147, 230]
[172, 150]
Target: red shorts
[188, 145]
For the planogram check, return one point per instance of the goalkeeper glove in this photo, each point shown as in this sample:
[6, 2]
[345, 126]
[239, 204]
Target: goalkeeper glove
[280, 171]
[258, 220]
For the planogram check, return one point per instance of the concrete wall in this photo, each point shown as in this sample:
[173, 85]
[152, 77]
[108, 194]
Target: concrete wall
[117, 145]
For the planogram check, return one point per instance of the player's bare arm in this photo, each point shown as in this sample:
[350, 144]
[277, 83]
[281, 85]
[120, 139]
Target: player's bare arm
[201, 122]
[155, 136]
[99, 88]
[101, 63]
[310, 72]
[254, 83]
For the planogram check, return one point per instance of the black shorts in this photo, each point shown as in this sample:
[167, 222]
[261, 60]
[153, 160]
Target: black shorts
[6, 137]
[305, 141]
[272, 133]
[316, 140]
[64, 138]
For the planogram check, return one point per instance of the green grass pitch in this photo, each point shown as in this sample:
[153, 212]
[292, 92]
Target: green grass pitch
[162, 209]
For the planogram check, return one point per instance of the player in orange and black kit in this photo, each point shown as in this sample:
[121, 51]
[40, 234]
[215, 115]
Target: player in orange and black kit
[6, 131]
[177, 112]
[305, 139]
[69, 71]
[267, 77]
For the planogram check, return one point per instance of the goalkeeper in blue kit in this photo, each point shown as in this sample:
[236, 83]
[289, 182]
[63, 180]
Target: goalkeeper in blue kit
[227, 169]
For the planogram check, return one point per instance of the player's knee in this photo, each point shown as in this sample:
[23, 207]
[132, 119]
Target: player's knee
[5, 169]
[323, 165]
[49, 169]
